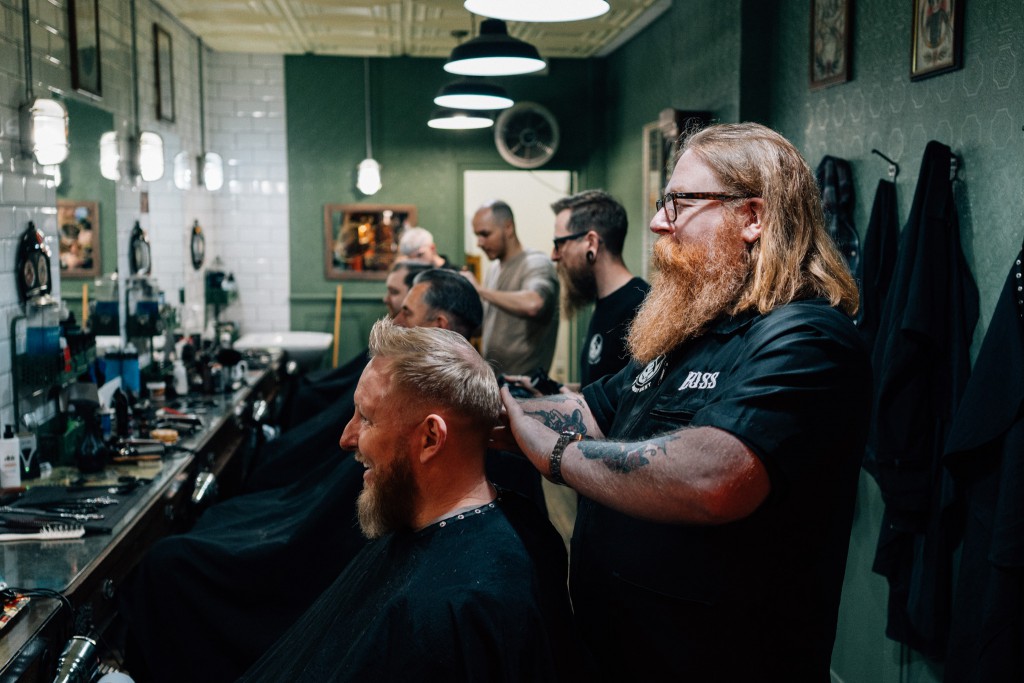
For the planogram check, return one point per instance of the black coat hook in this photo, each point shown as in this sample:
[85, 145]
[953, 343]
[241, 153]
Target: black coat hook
[894, 168]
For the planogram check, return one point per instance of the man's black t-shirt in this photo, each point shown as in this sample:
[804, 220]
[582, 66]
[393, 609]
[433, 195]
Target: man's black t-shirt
[604, 349]
[755, 599]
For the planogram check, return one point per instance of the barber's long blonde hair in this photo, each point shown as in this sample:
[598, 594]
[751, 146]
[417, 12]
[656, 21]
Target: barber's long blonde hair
[794, 257]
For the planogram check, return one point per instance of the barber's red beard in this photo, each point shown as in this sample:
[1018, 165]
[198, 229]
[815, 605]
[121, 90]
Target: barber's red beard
[695, 282]
[387, 504]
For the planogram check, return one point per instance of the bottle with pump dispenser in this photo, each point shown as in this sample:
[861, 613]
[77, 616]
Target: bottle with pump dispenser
[10, 460]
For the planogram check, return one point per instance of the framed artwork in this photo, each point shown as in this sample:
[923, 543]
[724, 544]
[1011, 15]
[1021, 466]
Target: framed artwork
[84, 45]
[938, 37]
[163, 60]
[831, 42]
[361, 240]
[79, 230]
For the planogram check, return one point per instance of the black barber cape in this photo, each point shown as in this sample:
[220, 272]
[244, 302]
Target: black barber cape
[756, 599]
[878, 260]
[204, 605]
[985, 452]
[477, 597]
[921, 363]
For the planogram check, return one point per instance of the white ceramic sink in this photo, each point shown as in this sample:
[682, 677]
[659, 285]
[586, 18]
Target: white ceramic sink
[305, 348]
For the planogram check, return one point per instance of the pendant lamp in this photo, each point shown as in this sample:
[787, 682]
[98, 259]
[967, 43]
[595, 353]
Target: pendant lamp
[456, 119]
[368, 172]
[494, 53]
[473, 93]
[538, 10]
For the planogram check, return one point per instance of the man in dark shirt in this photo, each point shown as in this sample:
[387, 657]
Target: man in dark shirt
[462, 582]
[717, 493]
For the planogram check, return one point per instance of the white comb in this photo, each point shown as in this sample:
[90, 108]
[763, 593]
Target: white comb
[50, 532]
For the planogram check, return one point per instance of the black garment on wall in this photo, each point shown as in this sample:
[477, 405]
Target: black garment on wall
[878, 259]
[921, 362]
[835, 181]
[985, 454]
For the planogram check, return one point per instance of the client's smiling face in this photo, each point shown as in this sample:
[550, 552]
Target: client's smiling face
[378, 435]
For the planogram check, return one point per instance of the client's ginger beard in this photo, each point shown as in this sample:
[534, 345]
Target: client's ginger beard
[695, 282]
[387, 504]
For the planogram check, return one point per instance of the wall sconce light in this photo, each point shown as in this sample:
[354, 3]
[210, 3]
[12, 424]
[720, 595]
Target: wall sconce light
[150, 156]
[473, 93]
[211, 171]
[538, 10]
[110, 156]
[182, 166]
[368, 179]
[494, 53]
[45, 131]
[455, 119]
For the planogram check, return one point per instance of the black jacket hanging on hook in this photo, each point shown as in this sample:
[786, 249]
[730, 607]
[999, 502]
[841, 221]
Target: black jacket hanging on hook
[835, 181]
[921, 362]
[878, 259]
[985, 454]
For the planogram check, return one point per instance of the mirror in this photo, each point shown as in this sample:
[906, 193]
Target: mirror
[361, 240]
[86, 203]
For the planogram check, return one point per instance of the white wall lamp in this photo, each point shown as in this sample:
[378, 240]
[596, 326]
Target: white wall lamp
[368, 179]
[494, 53]
[43, 121]
[538, 10]
[110, 156]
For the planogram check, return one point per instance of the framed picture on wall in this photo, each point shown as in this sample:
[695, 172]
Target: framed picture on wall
[84, 45]
[938, 37]
[79, 229]
[163, 60]
[831, 42]
[361, 240]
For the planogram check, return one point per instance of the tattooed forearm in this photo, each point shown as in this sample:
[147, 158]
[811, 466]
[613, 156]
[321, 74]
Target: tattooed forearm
[624, 457]
[558, 421]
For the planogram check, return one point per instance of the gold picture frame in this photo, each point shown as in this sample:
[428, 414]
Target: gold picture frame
[938, 38]
[78, 226]
[361, 240]
[831, 42]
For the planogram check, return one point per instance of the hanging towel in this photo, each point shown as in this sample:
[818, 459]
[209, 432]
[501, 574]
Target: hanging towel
[921, 362]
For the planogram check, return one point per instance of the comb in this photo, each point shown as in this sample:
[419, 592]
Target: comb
[50, 532]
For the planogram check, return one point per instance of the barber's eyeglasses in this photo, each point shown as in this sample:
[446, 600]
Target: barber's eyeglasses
[668, 202]
[559, 241]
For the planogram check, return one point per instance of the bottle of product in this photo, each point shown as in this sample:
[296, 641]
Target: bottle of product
[180, 377]
[10, 460]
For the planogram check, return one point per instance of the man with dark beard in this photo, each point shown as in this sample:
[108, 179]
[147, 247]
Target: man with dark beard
[463, 582]
[590, 230]
[717, 491]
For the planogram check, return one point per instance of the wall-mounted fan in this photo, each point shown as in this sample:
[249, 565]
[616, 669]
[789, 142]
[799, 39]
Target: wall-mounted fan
[526, 135]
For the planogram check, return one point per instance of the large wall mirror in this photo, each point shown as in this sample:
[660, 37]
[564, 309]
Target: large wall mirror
[86, 202]
[361, 240]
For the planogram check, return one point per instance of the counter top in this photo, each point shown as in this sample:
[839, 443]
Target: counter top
[80, 567]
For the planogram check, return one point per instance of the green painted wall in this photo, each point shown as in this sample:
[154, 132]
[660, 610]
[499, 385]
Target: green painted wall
[978, 111]
[689, 60]
[80, 180]
[421, 166]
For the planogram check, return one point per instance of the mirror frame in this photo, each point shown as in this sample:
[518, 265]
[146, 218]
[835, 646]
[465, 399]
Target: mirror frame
[67, 210]
[338, 217]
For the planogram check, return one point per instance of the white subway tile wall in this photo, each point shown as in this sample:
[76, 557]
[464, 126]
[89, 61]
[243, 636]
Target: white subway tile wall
[245, 222]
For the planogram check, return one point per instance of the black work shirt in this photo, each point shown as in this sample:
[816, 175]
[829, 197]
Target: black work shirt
[755, 598]
[604, 350]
